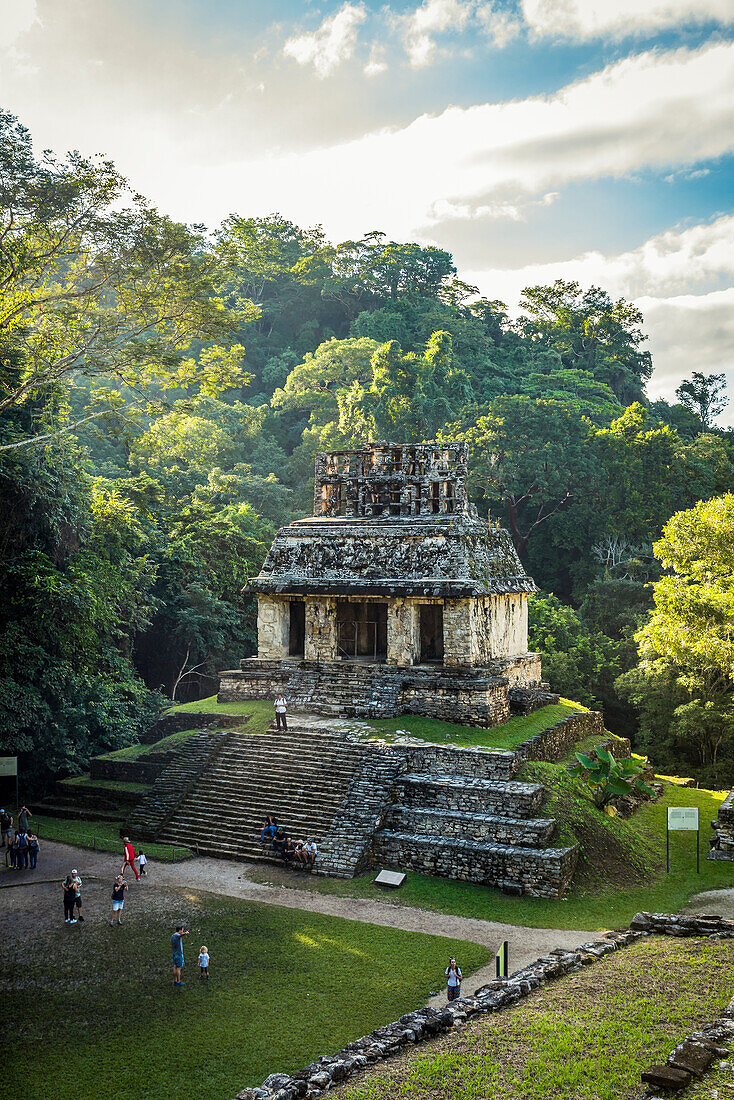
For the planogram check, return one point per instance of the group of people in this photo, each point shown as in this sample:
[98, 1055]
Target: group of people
[20, 843]
[72, 886]
[292, 852]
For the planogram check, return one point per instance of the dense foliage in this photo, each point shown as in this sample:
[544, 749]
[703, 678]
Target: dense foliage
[163, 390]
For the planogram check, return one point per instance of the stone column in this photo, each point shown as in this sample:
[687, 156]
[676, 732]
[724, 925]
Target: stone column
[457, 633]
[273, 627]
[403, 633]
[320, 628]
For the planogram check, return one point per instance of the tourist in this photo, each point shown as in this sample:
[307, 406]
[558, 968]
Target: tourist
[77, 893]
[309, 852]
[280, 709]
[23, 814]
[288, 851]
[128, 858]
[177, 953]
[6, 822]
[298, 850]
[33, 849]
[204, 962]
[142, 863]
[21, 850]
[119, 886]
[270, 827]
[453, 979]
[69, 897]
[279, 841]
[10, 853]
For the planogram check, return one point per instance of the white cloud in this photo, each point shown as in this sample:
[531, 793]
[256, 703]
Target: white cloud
[620, 18]
[499, 26]
[331, 43]
[376, 64]
[432, 18]
[654, 111]
[16, 17]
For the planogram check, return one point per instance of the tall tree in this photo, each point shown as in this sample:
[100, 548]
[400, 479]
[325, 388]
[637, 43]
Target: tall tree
[590, 332]
[95, 289]
[704, 394]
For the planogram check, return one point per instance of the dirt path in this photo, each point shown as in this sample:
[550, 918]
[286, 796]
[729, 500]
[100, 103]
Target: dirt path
[713, 901]
[220, 876]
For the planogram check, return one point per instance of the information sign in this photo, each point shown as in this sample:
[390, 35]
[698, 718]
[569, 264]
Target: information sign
[683, 818]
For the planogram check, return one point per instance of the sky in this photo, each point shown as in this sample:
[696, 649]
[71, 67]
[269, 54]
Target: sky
[533, 139]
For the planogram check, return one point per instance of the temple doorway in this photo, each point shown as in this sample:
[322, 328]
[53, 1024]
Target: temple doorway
[297, 629]
[361, 630]
[431, 632]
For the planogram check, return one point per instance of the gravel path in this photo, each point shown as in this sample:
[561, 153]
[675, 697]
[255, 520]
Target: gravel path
[220, 876]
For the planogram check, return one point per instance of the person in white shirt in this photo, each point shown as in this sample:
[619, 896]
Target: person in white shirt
[142, 861]
[309, 852]
[280, 709]
[204, 962]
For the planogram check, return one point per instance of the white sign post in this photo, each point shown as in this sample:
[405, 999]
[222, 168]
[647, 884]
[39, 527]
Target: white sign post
[9, 767]
[682, 819]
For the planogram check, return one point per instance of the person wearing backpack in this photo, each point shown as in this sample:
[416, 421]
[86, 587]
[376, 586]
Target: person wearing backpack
[6, 822]
[21, 853]
[453, 980]
[33, 849]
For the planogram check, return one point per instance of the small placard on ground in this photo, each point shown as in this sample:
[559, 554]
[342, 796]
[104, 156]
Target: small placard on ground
[390, 878]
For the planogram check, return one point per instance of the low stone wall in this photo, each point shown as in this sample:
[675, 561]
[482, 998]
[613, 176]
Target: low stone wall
[426, 1023]
[346, 850]
[531, 832]
[553, 744]
[449, 698]
[722, 844]
[540, 873]
[177, 723]
[126, 771]
[508, 799]
[446, 760]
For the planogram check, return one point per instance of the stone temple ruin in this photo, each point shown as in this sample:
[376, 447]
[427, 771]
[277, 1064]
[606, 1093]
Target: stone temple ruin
[393, 597]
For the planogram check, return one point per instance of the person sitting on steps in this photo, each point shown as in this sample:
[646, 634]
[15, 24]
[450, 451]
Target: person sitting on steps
[280, 709]
[289, 851]
[270, 826]
[309, 852]
[279, 841]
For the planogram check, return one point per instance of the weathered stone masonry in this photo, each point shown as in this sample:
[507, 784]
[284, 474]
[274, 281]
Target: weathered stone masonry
[394, 594]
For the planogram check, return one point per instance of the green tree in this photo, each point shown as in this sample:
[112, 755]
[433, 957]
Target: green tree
[529, 458]
[688, 637]
[93, 289]
[591, 333]
[703, 394]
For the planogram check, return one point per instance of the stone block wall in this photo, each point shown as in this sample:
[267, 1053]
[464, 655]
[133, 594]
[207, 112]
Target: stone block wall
[532, 832]
[321, 634]
[557, 741]
[450, 760]
[273, 627]
[126, 771]
[403, 632]
[722, 843]
[543, 873]
[505, 799]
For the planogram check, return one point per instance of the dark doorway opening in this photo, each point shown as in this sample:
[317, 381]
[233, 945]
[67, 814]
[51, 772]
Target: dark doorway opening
[297, 629]
[431, 631]
[361, 630]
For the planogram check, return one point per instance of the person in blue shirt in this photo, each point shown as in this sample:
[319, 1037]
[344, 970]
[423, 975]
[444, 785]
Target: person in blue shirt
[177, 953]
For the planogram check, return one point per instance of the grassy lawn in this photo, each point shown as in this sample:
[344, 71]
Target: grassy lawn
[138, 752]
[507, 736]
[84, 782]
[586, 1037]
[259, 713]
[102, 1018]
[102, 836]
[621, 871]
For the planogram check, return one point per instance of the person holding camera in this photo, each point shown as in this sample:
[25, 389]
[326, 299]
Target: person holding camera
[177, 953]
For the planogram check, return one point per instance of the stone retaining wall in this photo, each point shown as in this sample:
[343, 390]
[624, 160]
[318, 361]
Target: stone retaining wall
[126, 771]
[540, 873]
[426, 1023]
[506, 799]
[552, 744]
[532, 832]
[446, 760]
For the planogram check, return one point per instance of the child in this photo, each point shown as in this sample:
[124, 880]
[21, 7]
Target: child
[142, 860]
[204, 962]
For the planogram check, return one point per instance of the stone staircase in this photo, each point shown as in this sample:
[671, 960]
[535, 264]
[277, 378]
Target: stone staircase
[464, 816]
[174, 782]
[299, 775]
